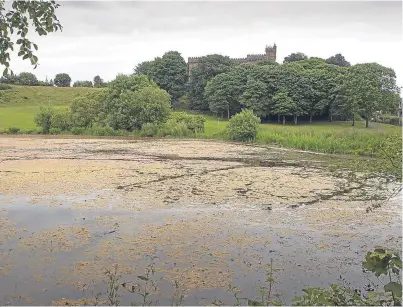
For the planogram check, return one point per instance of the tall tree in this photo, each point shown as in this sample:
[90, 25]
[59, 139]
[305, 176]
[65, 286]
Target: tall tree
[338, 60]
[372, 87]
[27, 78]
[62, 80]
[293, 57]
[222, 94]
[42, 16]
[284, 105]
[257, 97]
[209, 67]
[144, 68]
[99, 82]
[170, 73]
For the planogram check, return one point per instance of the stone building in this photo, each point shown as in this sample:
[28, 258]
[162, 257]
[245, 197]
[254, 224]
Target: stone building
[270, 54]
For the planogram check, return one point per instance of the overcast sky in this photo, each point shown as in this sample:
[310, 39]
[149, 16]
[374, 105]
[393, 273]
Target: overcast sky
[107, 38]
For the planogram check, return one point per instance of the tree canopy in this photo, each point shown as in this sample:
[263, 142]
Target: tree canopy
[41, 15]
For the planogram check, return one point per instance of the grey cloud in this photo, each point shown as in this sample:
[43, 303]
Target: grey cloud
[122, 18]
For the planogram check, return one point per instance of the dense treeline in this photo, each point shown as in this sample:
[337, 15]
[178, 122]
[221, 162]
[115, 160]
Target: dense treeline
[301, 86]
[60, 80]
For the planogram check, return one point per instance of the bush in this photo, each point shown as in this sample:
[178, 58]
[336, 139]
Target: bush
[243, 126]
[149, 129]
[61, 119]
[54, 131]
[86, 109]
[43, 118]
[104, 131]
[194, 123]
[78, 130]
[174, 128]
[4, 87]
[27, 78]
[13, 130]
[62, 80]
[131, 110]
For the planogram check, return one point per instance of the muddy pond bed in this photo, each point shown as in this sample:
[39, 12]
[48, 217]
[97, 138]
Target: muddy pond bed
[202, 214]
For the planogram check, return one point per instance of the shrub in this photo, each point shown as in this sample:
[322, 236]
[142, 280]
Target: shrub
[174, 128]
[54, 131]
[43, 118]
[61, 119]
[243, 126]
[13, 130]
[194, 123]
[86, 109]
[4, 87]
[149, 129]
[104, 131]
[78, 130]
[131, 110]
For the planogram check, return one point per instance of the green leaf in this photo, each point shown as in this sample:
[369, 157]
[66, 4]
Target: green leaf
[35, 46]
[21, 53]
[394, 287]
[5, 72]
[25, 57]
[397, 262]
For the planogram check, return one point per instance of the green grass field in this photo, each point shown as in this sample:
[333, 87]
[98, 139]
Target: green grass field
[19, 106]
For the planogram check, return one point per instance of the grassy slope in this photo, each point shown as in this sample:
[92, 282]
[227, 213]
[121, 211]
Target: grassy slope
[19, 105]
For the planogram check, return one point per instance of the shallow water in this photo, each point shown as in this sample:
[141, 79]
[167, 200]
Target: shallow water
[206, 224]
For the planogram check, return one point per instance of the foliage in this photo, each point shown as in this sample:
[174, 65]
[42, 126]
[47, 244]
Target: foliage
[170, 73]
[4, 87]
[13, 130]
[194, 123]
[43, 118]
[369, 88]
[243, 126]
[338, 295]
[150, 129]
[172, 127]
[27, 78]
[293, 57]
[86, 109]
[43, 18]
[222, 94]
[99, 82]
[209, 67]
[82, 84]
[55, 131]
[144, 68]
[61, 119]
[124, 83]
[62, 80]
[338, 59]
[130, 110]
[284, 105]
[257, 97]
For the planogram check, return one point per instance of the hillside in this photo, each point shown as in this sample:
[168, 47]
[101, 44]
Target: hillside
[39, 95]
[19, 104]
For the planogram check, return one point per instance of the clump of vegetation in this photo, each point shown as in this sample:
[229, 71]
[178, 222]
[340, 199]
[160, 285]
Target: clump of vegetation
[43, 118]
[243, 126]
[194, 123]
[175, 128]
[13, 130]
[150, 129]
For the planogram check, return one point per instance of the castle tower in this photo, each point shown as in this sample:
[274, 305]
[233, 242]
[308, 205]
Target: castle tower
[271, 52]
